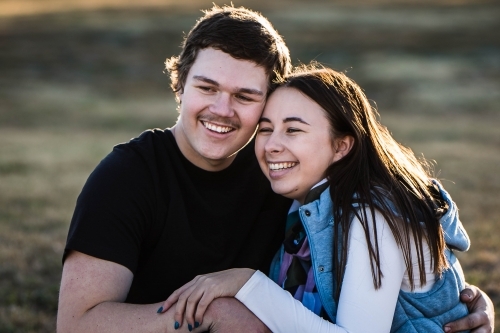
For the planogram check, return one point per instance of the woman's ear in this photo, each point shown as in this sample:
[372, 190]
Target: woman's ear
[342, 147]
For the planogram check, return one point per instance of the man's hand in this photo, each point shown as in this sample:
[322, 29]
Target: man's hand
[481, 318]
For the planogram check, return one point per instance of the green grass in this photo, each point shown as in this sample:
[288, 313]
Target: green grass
[73, 85]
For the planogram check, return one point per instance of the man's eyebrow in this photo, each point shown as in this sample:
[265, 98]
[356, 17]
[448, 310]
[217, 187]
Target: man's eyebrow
[289, 119]
[205, 79]
[239, 90]
[250, 91]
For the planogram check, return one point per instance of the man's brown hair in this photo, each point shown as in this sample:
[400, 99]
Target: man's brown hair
[240, 32]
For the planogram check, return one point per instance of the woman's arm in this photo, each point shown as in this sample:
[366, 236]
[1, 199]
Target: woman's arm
[282, 313]
[362, 308]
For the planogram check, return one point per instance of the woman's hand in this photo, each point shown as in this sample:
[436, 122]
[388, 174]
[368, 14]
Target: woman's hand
[195, 296]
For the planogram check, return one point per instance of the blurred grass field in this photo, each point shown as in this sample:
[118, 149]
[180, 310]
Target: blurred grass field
[77, 77]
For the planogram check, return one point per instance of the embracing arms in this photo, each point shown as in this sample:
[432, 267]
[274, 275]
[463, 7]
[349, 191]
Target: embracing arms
[92, 295]
[282, 313]
[264, 298]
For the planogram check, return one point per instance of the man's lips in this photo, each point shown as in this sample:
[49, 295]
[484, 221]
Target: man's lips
[217, 128]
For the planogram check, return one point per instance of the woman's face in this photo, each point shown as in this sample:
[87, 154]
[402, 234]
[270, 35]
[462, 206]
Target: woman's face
[294, 144]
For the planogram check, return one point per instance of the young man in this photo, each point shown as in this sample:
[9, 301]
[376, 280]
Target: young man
[173, 204]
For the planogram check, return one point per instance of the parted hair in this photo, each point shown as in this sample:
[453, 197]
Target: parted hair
[240, 32]
[378, 173]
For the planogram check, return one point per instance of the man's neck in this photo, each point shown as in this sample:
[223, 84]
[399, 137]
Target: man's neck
[195, 158]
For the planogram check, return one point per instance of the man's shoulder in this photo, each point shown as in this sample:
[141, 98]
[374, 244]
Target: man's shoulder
[149, 144]
[148, 139]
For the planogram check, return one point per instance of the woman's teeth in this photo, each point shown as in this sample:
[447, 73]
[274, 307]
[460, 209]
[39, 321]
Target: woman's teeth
[281, 166]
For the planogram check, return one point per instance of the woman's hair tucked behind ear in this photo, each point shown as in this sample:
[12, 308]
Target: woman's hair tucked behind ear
[377, 173]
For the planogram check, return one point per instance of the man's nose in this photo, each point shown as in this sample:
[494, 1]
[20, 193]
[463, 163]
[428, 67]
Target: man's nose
[222, 106]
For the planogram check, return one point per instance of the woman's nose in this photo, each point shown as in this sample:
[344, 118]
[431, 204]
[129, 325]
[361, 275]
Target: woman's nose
[273, 144]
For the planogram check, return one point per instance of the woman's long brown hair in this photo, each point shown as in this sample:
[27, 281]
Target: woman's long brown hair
[378, 173]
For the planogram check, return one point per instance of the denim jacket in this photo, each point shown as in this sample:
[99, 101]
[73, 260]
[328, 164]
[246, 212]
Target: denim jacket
[415, 312]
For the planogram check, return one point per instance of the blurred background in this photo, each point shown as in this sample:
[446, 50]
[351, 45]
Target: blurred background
[79, 76]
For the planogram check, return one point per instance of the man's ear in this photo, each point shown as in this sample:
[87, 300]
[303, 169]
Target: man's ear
[342, 147]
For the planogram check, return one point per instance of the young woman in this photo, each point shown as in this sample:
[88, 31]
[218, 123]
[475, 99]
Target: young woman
[368, 239]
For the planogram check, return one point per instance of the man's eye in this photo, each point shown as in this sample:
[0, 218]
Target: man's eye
[203, 88]
[243, 98]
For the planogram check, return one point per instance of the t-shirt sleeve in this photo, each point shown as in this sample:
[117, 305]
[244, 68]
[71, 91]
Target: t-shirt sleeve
[114, 211]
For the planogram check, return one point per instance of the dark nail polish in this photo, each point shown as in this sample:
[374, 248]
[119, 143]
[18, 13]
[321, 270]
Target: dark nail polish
[160, 309]
[190, 328]
[176, 325]
[196, 324]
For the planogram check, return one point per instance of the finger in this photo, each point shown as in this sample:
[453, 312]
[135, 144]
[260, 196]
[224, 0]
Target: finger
[469, 322]
[192, 305]
[180, 307]
[468, 294]
[172, 299]
[203, 304]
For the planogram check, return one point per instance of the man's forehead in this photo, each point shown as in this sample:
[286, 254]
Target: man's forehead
[216, 67]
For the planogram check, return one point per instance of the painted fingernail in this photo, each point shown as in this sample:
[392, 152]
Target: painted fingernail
[160, 309]
[196, 324]
[176, 325]
[190, 328]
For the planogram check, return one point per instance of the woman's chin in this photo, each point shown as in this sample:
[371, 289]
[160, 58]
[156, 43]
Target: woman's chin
[290, 193]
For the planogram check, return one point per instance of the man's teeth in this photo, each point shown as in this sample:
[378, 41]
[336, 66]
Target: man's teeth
[281, 166]
[217, 128]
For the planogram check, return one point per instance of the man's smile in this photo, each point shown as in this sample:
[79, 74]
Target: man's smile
[217, 128]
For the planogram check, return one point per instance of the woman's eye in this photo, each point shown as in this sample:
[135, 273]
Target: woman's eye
[264, 130]
[293, 130]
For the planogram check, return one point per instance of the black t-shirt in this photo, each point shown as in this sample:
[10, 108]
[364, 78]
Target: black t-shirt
[146, 207]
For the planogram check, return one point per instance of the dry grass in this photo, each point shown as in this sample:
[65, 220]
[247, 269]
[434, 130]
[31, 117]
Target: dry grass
[72, 85]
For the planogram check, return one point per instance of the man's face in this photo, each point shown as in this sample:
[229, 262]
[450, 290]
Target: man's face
[221, 103]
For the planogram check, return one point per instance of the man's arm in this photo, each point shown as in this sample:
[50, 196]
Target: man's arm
[91, 300]
[481, 316]
[92, 295]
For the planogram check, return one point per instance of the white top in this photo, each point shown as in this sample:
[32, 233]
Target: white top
[361, 308]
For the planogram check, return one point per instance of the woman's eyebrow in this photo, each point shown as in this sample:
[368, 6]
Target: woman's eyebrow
[264, 120]
[289, 119]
